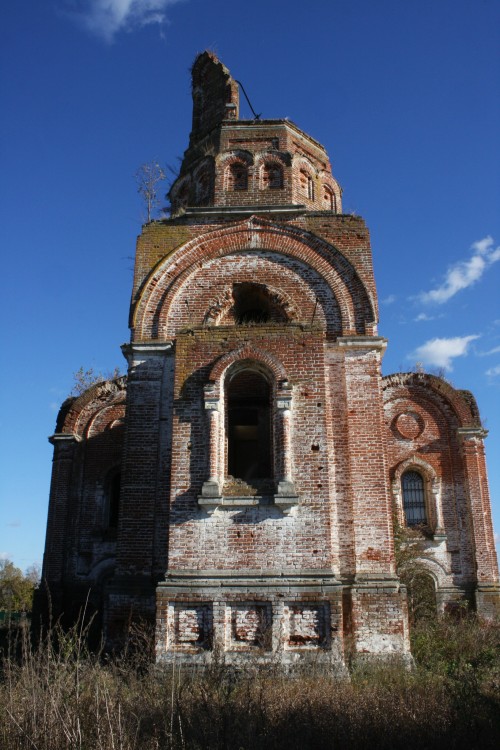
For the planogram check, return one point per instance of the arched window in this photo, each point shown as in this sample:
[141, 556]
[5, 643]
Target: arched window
[112, 506]
[413, 487]
[272, 176]
[328, 198]
[251, 304]
[182, 199]
[249, 452]
[203, 188]
[306, 184]
[254, 304]
[237, 176]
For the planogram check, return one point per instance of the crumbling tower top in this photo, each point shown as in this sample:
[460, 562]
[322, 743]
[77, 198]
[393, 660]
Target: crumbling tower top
[242, 166]
[215, 95]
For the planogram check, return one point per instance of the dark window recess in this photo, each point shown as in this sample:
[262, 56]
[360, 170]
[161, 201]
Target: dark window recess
[413, 498]
[249, 427]
[272, 176]
[238, 177]
[251, 304]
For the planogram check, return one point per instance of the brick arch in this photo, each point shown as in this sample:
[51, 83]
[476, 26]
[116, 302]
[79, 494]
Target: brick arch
[302, 162]
[108, 418]
[462, 403]
[273, 157]
[417, 463]
[250, 353]
[328, 314]
[328, 181]
[76, 415]
[218, 310]
[227, 161]
[435, 570]
[357, 310]
[237, 156]
[181, 187]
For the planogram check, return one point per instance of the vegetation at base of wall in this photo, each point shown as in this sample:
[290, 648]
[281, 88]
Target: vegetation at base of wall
[60, 695]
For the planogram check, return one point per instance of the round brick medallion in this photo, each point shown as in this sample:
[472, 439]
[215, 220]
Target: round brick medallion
[409, 425]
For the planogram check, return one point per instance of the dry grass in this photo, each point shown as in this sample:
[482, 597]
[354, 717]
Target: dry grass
[62, 696]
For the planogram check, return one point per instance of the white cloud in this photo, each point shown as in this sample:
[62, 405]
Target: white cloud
[465, 273]
[106, 18]
[495, 350]
[493, 372]
[388, 300]
[423, 317]
[441, 352]
[5, 555]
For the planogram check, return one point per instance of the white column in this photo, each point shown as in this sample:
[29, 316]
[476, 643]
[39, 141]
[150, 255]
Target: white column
[285, 480]
[211, 487]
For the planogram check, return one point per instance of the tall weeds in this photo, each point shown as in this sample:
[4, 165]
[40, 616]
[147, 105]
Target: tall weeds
[60, 695]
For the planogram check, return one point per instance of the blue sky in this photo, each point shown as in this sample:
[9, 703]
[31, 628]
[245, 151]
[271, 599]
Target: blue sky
[404, 95]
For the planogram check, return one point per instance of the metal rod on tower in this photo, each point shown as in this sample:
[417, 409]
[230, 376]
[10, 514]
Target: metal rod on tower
[256, 116]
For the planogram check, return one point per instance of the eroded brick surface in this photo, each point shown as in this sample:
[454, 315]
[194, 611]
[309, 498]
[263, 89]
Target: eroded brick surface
[254, 318]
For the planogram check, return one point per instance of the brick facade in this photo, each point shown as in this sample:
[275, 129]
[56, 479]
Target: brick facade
[239, 487]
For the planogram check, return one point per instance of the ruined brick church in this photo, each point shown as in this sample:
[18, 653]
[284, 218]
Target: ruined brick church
[241, 486]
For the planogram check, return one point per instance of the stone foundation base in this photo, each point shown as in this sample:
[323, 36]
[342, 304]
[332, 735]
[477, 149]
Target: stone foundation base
[290, 619]
[488, 601]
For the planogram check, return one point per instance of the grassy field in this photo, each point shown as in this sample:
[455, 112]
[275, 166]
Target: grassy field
[60, 695]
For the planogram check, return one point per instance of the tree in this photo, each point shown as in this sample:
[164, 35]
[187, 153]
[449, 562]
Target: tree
[410, 553]
[16, 589]
[84, 379]
[148, 178]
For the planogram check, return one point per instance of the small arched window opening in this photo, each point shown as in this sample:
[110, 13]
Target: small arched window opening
[328, 199]
[203, 188]
[272, 177]
[249, 443]
[255, 304]
[112, 508]
[306, 184]
[237, 176]
[413, 488]
[182, 199]
[251, 304]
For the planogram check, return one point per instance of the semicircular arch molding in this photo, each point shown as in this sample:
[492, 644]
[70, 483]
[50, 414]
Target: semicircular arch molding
[251, 354]
[84, 409]
[417, 463]
[356, 307]
[436, 390]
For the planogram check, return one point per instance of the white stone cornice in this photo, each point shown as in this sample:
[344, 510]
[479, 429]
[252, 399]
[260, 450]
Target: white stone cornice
[378, 343]
[64, 438]
[145, 349]
[468, 433]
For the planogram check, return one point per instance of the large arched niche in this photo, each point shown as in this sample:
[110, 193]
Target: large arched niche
[357, 309]
[78, 414]
[459, 406]
[216, 294]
